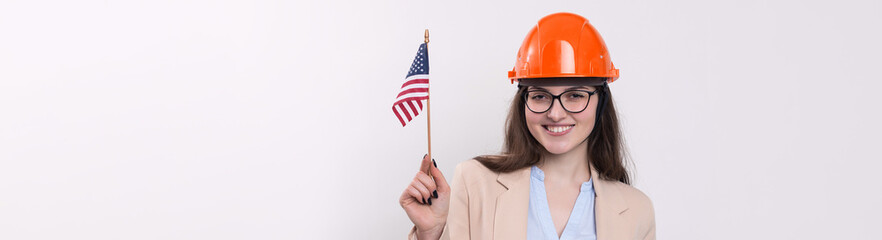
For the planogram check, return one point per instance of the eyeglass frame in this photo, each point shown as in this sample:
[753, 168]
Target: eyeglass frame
[558, 97]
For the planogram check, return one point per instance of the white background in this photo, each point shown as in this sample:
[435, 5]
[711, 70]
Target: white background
[272, 119]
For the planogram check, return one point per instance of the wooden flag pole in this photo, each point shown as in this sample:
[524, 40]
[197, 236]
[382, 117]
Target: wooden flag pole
[428, 109]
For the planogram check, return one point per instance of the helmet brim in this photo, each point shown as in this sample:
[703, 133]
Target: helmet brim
[563, 81]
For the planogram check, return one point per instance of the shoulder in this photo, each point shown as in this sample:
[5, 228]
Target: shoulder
[471, 171]
[472, 165]
[638, 202]
[473, 176]
[634, 196]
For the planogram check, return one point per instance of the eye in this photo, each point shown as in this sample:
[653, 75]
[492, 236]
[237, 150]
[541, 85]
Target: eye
[576, 95]
[539, 96]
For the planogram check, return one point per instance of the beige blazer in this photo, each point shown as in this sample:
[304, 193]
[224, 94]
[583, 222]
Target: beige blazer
[489, 205]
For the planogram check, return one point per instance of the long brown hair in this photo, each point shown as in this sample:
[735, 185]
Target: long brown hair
[606, 150]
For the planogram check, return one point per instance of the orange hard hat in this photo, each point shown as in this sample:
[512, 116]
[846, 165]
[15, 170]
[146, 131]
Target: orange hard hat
[563, 45]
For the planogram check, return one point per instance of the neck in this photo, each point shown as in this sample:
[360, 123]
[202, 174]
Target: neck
[567, 167]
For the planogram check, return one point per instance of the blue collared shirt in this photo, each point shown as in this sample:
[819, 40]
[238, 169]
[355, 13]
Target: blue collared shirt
[539, 223]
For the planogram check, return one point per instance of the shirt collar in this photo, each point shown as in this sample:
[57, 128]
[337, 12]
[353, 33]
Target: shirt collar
[538, 174]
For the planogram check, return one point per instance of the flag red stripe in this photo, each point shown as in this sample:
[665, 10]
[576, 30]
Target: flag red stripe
[411, 99]
[420, 103]
[413, 108]
[406, 114]
[394, 110]
[412, 90]
[415, 81]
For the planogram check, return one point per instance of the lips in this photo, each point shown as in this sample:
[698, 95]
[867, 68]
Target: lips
[557, 130]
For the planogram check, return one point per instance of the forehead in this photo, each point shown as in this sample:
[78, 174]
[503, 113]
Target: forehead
[562, 81]
[561, 88]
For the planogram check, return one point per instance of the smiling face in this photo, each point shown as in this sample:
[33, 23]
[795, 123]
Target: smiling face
[558, 130]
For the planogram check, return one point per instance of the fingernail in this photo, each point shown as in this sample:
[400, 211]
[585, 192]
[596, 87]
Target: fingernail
[424, 200]
[433, 162]
[435, 193]
[430, 202]
[424, 156]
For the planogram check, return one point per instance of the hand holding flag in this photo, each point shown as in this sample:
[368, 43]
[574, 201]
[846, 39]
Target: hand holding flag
[429, 220]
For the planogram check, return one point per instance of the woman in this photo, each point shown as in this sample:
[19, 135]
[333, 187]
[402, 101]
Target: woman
[561, 174]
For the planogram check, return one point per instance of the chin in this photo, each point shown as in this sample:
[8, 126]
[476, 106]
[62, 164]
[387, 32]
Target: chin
[558, 148]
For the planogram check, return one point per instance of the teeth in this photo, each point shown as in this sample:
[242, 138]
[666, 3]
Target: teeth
[558, 129]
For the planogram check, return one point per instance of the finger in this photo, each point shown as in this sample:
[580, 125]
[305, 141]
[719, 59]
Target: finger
[440, 181]
[426, 180]
[413, 192]
[424, 192]
[427, 162]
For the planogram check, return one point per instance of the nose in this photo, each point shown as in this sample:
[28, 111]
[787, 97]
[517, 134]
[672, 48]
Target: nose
[556, 113]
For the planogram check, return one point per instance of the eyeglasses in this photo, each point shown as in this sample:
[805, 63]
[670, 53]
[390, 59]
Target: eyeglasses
[574, 101]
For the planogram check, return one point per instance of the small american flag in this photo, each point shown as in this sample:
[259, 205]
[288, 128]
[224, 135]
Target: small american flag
[415, 89]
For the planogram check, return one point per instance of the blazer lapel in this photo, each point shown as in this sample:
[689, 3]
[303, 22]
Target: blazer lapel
[609, 205]
[510, 220]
